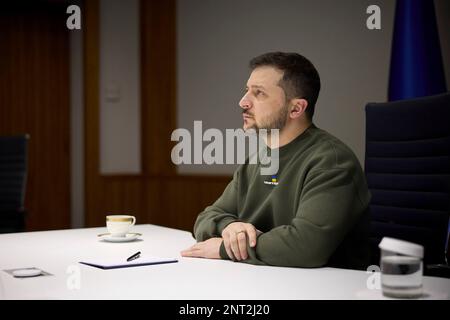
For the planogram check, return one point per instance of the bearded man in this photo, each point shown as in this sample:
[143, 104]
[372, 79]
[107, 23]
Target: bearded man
[314, 211]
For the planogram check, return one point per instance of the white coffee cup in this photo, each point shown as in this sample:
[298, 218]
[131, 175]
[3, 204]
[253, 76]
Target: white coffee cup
[119, 225]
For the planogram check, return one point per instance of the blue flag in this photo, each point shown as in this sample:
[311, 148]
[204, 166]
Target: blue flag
[416, 60]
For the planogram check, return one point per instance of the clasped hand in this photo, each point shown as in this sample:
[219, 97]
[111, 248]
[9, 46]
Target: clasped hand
[235, 238]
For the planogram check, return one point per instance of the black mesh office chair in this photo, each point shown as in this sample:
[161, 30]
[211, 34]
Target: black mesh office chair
[13, 174]
[407, 166]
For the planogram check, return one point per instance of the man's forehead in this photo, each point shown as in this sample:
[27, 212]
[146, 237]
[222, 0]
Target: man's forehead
[265, 76]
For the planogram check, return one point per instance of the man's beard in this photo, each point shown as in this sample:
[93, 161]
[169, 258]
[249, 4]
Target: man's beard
[275, 121]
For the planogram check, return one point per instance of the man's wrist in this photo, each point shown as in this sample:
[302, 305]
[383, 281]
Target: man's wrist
[222, 224]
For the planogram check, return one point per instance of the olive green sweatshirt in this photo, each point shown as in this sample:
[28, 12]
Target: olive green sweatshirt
[313, 213]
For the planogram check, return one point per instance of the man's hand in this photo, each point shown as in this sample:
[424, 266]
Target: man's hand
[235, 237]
[206, 249]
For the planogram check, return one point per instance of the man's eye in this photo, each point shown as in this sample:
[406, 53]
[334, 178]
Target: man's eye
[259, 93]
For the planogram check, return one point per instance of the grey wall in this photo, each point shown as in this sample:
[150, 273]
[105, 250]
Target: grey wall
[120, 138]
[216, 39]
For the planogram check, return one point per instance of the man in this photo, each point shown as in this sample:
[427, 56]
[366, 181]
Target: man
[316, 213]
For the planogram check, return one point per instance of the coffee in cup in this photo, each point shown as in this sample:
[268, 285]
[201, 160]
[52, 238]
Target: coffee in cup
[119, 225]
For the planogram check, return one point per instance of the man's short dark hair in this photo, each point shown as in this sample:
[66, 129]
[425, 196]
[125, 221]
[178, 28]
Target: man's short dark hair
[300, 77]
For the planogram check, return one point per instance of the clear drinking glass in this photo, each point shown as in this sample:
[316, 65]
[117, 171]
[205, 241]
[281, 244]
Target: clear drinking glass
[401, 268]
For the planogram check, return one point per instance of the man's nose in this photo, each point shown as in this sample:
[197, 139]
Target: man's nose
[244, 103]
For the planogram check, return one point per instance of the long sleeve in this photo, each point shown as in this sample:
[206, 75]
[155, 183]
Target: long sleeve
[216, 217]
[329, 205]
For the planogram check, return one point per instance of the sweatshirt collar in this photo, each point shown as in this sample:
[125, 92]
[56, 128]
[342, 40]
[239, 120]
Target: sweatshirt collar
[292, 145]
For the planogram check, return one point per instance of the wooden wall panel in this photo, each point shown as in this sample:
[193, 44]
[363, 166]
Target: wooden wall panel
[181, 195]
[158, 84]
[133, 198]
[94, 190]
[175, 202]
[34, 99]
[154, 205]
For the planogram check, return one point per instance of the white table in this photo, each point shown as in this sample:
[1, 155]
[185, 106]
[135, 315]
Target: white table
[58, 252]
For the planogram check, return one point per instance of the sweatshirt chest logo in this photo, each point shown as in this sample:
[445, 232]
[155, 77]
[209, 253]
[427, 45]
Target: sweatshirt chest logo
[273, 181]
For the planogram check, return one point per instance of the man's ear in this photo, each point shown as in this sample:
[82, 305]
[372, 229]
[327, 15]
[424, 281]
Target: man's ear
[298, 107]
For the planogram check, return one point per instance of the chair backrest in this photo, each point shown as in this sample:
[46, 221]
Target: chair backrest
[13, 172]
[407, 165]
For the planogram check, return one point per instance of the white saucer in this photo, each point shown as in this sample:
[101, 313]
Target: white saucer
[25, 273]
[131, 236]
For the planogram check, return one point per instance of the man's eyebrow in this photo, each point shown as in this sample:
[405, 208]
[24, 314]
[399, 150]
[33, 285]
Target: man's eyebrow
[255, 86]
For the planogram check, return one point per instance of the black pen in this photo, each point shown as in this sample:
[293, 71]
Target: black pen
[134, 256]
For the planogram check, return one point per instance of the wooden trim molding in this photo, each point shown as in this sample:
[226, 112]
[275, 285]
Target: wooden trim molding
[91, 108]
